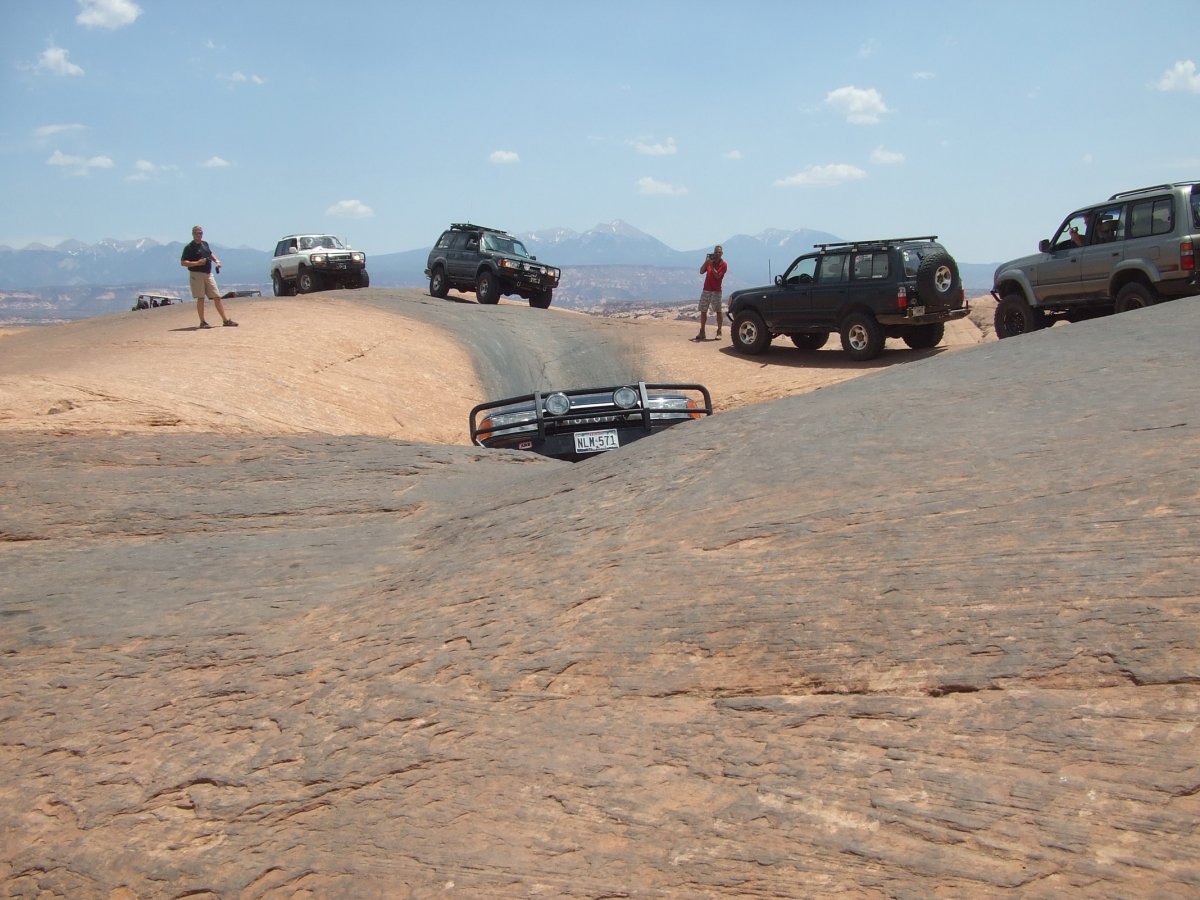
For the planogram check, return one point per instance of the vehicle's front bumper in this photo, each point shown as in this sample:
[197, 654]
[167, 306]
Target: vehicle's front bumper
[340, 266]
[528, 280]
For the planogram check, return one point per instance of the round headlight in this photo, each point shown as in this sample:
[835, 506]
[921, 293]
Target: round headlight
[558, 405]
[625, 397]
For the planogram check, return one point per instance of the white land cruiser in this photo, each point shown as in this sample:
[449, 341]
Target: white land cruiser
[304, 263]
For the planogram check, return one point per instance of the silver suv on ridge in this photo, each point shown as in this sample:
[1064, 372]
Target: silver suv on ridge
[1135, 249]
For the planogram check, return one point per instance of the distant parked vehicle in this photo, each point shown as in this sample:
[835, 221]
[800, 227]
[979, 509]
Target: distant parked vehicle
[489, 262]
[304, 263]
[866, 291]
[575, 424]
[1135, 249]
[153, 301]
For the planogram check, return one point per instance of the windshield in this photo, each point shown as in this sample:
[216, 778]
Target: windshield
[499, 243]
[316, 241]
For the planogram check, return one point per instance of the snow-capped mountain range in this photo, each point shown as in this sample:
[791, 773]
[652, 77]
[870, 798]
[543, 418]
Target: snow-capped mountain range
[145, 261]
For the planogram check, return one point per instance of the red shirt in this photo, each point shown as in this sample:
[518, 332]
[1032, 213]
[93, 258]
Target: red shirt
[715, 273]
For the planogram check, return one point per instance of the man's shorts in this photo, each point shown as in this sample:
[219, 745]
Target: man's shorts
[203, 285]
[710, 301]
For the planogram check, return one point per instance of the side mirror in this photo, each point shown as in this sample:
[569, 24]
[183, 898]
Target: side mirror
[779, 280]
[1044, 245]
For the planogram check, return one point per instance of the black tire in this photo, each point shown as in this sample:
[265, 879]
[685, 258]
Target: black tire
[922, 337]
[364, 280]
[307, 281]
[542, 299]
[1015, 316]
[280, 286]
[862, 336]
[487, 288]
[809, 341]
[1135, 295]
[750, 333]
[437, 283]
[938, 278]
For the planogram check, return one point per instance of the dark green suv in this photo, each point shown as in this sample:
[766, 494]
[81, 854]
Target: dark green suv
[489, 262]
[866, 291]
[1134, 249]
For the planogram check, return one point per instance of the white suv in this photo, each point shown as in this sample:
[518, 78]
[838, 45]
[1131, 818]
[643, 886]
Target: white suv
[304, 263]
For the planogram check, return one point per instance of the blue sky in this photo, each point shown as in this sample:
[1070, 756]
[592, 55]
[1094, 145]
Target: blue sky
[693, 121]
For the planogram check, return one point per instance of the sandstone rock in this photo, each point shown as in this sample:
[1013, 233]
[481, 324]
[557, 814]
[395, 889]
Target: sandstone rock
[932, 631]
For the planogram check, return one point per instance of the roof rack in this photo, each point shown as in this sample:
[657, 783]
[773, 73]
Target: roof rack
[1153, 187]
[467, 226]
[876, 242]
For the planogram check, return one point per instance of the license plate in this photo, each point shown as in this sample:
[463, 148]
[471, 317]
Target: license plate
[917, 311]
[596, 441]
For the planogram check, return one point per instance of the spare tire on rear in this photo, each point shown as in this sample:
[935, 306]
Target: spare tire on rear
[938, 278]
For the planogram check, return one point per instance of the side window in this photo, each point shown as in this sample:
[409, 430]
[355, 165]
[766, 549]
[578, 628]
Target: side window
[833, 268]
[1151, 217]
[1109, 225]
[473, 243]
[803, 271]
[1195, 208]
[1074, 232]
[281, 248]
[444, 241]
[870, 265]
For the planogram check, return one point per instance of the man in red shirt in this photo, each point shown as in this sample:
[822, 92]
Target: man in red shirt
[713, 270]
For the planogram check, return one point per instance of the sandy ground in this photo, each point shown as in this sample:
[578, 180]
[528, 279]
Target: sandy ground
[319, 365]
[332, 366]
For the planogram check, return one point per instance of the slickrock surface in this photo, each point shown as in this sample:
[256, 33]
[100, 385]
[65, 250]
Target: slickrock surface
[932, 631]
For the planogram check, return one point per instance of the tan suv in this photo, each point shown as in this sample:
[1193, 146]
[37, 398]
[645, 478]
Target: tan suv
[1135, 249]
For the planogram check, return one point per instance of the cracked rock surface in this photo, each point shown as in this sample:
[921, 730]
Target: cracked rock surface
[933, 631]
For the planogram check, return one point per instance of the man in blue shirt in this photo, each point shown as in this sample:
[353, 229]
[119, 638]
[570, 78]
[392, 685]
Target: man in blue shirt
[198, 259]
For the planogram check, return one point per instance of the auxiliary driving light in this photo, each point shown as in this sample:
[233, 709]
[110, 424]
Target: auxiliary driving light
[558, 405]
[625, 397]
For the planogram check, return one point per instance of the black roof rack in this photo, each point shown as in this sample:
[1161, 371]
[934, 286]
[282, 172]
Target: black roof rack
[467, 226]
[1153, 187]
[876, 242]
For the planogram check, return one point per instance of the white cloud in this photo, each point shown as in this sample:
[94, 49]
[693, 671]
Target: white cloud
[78, 165]
[501, 157]
[215, 162]
[923, 76]
[54, 60]
[667, 149]
[734, 154]
[883, 157]
[868, 48]
[350, 209]
[1181, 77]
[46, 131]
[243, 78]
[110, 14]
[654, 187]
[144, 170]
[837, 173]
[859, 106]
